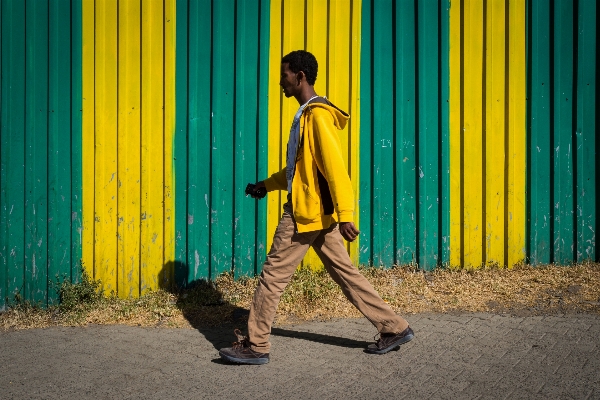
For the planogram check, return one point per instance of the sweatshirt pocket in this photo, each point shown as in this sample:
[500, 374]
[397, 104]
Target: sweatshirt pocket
[307, 207]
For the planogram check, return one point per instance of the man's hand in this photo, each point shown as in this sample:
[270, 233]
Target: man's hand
[349, 231]
[258, 191]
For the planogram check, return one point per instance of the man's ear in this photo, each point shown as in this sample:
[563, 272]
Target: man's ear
[300, 75]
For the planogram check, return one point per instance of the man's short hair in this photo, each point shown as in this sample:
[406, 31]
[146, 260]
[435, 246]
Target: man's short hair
[300, 60]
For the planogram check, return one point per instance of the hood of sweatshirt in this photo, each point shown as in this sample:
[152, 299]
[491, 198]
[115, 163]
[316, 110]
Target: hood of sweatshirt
[340, 118]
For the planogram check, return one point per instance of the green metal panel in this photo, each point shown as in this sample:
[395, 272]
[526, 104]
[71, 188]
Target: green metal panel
[244, 138]
[539, 140]
[445, 132]
[382, 218]
[180, 145]
[12, 205]
[3, 264]
[404, 136]
[428, 164]
[597, 126]
[36, 151]
[562, 147]
[222, 155]
[3, 175]
[59, 142]
[221, 137]
[586, 141]
[366, 133]
[563, 131]
[263, 131]
[40, 130]
[76, 132]
[199, 136]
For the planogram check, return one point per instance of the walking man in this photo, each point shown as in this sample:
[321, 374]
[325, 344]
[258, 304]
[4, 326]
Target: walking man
[318, 213]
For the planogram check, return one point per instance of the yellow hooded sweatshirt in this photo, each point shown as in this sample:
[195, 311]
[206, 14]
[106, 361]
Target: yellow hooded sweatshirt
[321, 184]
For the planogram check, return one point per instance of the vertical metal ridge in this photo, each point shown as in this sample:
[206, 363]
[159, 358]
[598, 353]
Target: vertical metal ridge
[552, 131]
[507, 111]
[597, 129]
[528, 130]
[462, 135]
[327, 58]
[394, 35]
[442, 154]
[234, 136]
[3, 230]
[95, 123]
[417, 135]
[574, 103]
[484, 50]
[141, 192]
[118, 59]
[46, 284]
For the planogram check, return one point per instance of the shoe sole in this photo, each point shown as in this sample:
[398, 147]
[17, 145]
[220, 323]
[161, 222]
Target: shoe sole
[251, 361]
[392, 346]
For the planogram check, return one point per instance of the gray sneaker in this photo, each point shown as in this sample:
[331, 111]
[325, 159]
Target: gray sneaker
[389, 341]
[241, 353]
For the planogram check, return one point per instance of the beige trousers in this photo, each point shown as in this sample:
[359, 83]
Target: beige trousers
[285, 255]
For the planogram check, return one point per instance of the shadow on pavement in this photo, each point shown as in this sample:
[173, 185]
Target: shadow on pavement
[203, 306]
[320, 338]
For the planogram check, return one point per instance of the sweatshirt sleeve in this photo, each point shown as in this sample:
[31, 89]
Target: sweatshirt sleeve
[329, 158]
[277, 181]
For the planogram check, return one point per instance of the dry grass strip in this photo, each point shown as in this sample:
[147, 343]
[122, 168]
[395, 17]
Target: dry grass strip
[312, 295]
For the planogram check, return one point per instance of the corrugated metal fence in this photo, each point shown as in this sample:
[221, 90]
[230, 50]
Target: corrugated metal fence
[331, 31]
[129, 129]
[128, 91]
[563, 109]
[221, 136]
[487, 132]
[404, 133]
[40, 147]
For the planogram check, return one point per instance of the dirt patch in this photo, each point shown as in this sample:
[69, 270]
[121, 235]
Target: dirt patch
[312, 295]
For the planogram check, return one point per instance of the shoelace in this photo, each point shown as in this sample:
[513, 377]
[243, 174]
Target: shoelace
[242, 340]
[377, 340]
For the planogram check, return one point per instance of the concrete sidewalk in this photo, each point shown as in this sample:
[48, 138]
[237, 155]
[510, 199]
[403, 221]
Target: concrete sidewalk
[463, 356]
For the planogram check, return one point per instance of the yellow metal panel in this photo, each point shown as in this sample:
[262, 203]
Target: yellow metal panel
[169, 131]
[455, 135]
[334, 69]
[318, 43]
[316, 40]
[332, 34]
[287, 34]
[516, 150]
[293, 39]
[129, 149]
[128, 127]
[473, 132]
[152, 162]
[487, 132]
[105, 257]
[338, 82]
[341, 81]
[354, 111]
[87, 139]
[494, 136]
[275, 99]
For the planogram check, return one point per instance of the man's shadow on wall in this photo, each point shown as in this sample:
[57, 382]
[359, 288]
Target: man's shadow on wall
[205, 308]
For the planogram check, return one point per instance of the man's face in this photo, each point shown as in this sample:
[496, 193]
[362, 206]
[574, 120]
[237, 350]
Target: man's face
[288, 81]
